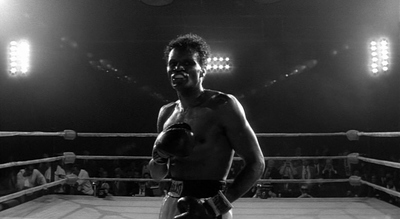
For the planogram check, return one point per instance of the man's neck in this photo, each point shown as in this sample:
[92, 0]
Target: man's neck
[191, 98]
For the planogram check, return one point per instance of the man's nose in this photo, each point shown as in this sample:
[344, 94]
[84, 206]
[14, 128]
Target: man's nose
[179, 67]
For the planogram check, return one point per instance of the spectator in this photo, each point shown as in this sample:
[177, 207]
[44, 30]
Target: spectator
[59, 174]
[133, 186]
[103, 187]
[145, 167]
[29, 177]
[329, 189]
[390, 198]
[8, 181]
[42, 167]
[305, 191]
[347, 167]
[83, 186]
[149, 186]
[329, 172]
[118, 188]
[372, 192]
[263, 191]
[307, 172]
[318, 168]
[287, 171]
[271, 171]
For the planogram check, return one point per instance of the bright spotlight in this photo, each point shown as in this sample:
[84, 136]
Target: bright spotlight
[19, 55]
[219, 64]
[379, 56]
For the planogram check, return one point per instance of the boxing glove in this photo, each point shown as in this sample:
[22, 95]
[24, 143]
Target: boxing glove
[208, 208]
[191, 208]
[176, 140]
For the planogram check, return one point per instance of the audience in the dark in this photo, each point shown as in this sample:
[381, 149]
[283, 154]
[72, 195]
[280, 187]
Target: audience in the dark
[301, 169]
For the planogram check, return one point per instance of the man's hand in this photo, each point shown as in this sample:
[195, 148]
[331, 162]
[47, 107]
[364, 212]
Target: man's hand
[175, 141]
[209, 208]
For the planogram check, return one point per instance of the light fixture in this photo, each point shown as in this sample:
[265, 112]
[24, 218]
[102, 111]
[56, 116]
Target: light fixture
[218, 64]
[19, 52]
[379, 56]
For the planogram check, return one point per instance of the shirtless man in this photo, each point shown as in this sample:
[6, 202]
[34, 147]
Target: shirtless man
[220, 129]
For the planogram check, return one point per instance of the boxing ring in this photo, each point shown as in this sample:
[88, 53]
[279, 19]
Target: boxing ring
[89, 207]
[84, 206]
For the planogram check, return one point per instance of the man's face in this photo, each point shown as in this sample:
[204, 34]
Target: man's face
[75, 170]
[184, 69]
[28, 171]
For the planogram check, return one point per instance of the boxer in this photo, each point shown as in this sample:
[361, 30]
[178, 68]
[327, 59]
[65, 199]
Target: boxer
[199, 135]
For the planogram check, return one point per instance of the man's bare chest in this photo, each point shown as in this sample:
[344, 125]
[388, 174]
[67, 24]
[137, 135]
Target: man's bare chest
[198, 118]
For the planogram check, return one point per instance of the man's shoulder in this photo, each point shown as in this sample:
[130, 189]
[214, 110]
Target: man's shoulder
[220, 100]
[169, 106]
[218, 97]
[83, 171]
[21, 172]
[36, 172]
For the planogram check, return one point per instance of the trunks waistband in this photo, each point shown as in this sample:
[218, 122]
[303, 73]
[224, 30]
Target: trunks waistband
[196, 188]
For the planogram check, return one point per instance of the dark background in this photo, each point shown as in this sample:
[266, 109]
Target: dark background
[70, 39]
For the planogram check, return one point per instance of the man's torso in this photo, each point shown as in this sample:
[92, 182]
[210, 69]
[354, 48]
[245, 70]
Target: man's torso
[212, 155]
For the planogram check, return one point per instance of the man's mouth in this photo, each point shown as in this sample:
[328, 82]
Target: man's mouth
[179, 76]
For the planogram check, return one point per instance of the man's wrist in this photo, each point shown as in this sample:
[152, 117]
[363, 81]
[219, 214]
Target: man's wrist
[159, 157]
[217, 205]
[160, 161]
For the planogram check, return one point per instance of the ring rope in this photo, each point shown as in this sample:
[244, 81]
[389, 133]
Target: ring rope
[90, 157]
[70, 134]
[66, 132]
[307, 181]
[22, 163]
[389, 191]
[31, 190]
[305, 157]
[229, 180]
[66, 180]
[63, 181]
[369, 134]
[381, 162]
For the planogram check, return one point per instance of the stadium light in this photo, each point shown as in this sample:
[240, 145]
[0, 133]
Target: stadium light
[19, 52]
[219, 64]
[379, 56]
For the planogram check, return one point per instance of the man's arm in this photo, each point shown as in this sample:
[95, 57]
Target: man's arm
[20, 180]
[159, 171]
[244, 142]
[40, 180]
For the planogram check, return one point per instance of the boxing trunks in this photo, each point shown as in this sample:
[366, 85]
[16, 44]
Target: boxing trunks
[194, 188]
